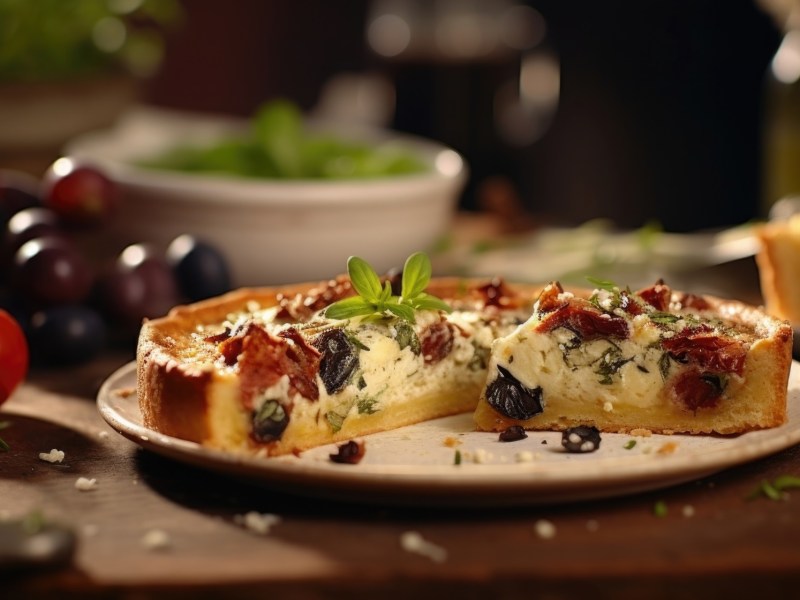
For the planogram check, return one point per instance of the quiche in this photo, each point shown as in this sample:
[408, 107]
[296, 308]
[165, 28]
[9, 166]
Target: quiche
[656, 360]
[279, 370]
[266, 371]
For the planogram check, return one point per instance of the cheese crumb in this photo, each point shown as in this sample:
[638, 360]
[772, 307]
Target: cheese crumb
[545, 529]
[481, 456]
[54, 456]
[83, 484]
[260, 523]
[525, 456]
[156, 539]
[641, 432]
[608, 407]
[688, 511]
[102, 435]
[412, 541]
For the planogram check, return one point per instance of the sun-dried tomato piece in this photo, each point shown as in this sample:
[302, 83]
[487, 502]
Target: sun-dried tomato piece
[658, 295]
[230, 349]
[586, 321]
[693, 301]
[513, 433]
[694, 389]
[303, 306]
[436, 342]
[218, 337]
[496, 293]
[265, 358]
[549, 298]
[707, 348]
[349, 453]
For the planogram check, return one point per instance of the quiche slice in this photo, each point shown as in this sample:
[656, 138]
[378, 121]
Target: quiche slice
[657, 360]
[267, 371]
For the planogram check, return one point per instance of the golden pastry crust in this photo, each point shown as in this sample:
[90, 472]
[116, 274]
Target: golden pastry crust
[778, 261]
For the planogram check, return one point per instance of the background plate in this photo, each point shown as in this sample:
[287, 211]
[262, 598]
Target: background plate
[416, 464]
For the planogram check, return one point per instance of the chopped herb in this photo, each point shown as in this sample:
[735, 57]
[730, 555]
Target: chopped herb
[630, 444]
[660, 509]
[602, 284]
[406, 337]
[774, 490]
[480, 358]
[375, 301]
[663, 365]
[33, 522]
[335, 420]
[366, 406]
[457, 459]
[353, 339]
[663, 318]
[609, 364]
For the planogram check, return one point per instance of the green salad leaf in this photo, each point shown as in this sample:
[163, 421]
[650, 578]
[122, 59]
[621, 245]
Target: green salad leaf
[277, 146]
[377, 301]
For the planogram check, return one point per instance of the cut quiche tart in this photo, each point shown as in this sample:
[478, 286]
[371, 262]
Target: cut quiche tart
[280, 370]
[657, 360]
[272, 370]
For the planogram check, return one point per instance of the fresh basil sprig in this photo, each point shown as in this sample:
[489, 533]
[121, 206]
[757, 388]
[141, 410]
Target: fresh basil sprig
[377, 301]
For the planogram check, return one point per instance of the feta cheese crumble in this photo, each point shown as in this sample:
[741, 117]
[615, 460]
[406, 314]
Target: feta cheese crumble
[260, 523]
[413, 542]
[156, 539]
[54, 456]
[84, 485]
[545, 529]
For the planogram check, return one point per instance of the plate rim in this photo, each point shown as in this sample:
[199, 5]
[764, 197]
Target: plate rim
[502, 484]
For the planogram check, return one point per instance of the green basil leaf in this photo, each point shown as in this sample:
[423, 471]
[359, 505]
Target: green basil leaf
[364, 278]
[603, 284]
[428, 302]
[416, 275]
[348, 308]
[401, 310]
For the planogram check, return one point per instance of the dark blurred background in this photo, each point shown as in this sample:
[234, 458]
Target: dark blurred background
[657, 111]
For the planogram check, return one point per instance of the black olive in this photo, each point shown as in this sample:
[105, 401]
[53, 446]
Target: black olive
[339, 359]
[513, 433]
[583, 438]
[512, 399]
[269, 421]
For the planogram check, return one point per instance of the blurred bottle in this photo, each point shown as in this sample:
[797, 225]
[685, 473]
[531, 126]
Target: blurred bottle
[478, 75]
[781, 169]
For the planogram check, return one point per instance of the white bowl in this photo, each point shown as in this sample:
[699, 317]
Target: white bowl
[273, 231]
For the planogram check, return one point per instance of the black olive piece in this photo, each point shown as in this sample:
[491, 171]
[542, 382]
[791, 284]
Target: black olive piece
[583, 438]
[339, 359]
[512, 399]
[269, 421]
[513, 433]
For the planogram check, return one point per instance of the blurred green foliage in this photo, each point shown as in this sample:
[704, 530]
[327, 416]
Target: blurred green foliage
[46, 40]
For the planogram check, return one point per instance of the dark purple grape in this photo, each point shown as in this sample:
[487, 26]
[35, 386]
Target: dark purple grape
[200, 269]
[81, 194]
[269, 421]
[28, 224]
[18, 191]
[66, 334]
[139, 285]
[50, 271]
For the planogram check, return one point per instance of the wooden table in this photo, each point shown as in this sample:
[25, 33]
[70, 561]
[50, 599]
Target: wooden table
[712, 541]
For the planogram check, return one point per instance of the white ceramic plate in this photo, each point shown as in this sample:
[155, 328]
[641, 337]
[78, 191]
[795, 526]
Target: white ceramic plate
[416, 464]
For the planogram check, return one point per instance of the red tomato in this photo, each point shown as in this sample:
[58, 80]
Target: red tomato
[13, 355]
